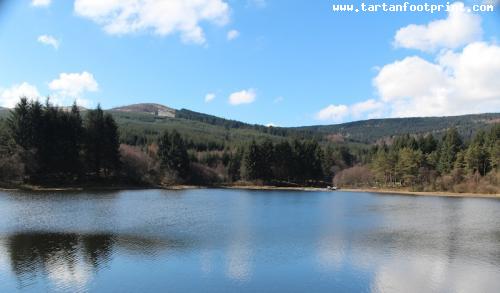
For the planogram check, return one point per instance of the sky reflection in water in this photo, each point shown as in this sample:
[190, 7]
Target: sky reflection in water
[224, 241]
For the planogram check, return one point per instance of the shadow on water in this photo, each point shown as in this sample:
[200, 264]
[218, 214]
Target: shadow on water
[70, 260]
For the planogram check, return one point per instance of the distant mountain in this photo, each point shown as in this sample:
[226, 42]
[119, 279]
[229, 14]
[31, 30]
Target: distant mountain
[370, 131]
[153, 109]
[137, 120]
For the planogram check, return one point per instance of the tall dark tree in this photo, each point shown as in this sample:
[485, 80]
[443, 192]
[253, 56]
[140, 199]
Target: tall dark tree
[94, 138]
[476, 155]
[75, 141]
[101, 142]
[111, 149]
[253, 164]
[450, 146]
[283, 162]
[266, 150]
[20, 124]
[427, 144]
[308, 157]
[234, 165]
[173, 154]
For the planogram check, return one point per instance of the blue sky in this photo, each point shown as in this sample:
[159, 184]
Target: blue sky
[288, 63]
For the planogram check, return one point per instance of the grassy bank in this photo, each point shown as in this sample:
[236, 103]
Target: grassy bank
[421, 193]
[247, 186]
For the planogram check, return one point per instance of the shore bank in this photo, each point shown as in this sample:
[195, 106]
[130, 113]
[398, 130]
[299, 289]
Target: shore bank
[247, 187]
[370, 190]
[422, 193]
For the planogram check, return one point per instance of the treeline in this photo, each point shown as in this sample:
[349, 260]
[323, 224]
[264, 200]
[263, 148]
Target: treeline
[426, 163]
[45, 144]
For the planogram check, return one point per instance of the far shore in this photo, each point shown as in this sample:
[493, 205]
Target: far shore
[250, 187]
[371, 190]
[421, 193]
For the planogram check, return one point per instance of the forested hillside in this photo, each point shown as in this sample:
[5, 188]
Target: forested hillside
[47, 145]
[371, 131]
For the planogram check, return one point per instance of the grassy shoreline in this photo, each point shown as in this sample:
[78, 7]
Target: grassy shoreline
[422, 193]
[244, 187]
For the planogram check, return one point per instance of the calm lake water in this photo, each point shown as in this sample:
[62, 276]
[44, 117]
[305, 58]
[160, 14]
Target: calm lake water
[247, 241]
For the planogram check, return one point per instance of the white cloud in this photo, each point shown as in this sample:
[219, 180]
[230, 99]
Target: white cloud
[336, 113]
[209, 97]
[73, 85]
[271, 125]
[368, 109]
[10, 96]
[232, 35]
[459, 28]
[49, 41]
[242, 97]
[456, 83]
[162, 17]
[41, 3]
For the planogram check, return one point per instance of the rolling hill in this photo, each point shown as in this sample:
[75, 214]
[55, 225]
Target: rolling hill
[370, 131]
[153, 109]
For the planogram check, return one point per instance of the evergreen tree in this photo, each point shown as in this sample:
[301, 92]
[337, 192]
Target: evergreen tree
[459, 167]
[234, 165]
[173, 154]
[74, 145]
[101, 142]
[450, 146]
[266, 160]
[283, 162]
[427, 144]
[382, 166]
[308, 157]
[409, 164]
[94, 140]
[493, 147]
[111, 145]
[253, 165]
[20, 124]
[476, 158]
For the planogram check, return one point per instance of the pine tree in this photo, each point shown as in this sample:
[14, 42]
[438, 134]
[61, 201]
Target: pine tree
[252, 161]
[476, 158]
[101, 142]
[283, 162]
[382, 166]
[94, 139]
[111, 145]
[493, 147]
[450, 146]
[266, 160]
[20, 124]
[234, 165]
[173, 154]
[409, 164]
[427, 144]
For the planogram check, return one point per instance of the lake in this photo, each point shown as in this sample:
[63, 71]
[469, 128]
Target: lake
[247, 241]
